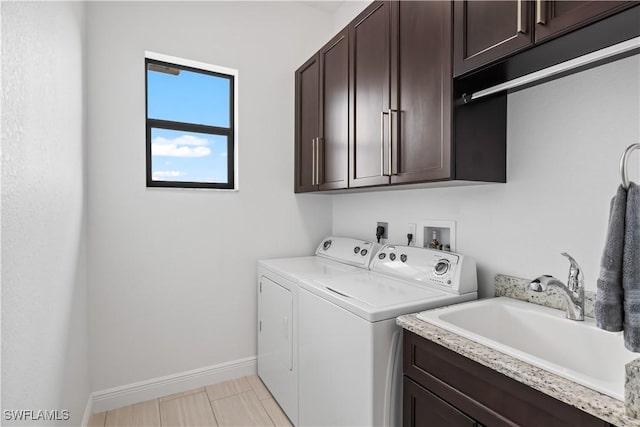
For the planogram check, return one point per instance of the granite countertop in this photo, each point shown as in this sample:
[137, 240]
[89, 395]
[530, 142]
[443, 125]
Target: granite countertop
[590, 401]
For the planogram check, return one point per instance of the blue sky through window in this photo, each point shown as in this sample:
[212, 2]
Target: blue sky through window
[189, 97]
[188, 156]
[193, 98]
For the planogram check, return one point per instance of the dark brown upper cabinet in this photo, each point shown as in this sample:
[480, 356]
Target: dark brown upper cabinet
[379, 104]
[420, 117]
[400, 93]
[307, 125]
[322, 118]
[557, 17]
[369, 102]
[489, 30]
[333, 161]
[486, 32]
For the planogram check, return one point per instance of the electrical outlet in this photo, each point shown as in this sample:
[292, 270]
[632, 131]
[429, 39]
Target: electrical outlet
[411, 229]
[384, 225]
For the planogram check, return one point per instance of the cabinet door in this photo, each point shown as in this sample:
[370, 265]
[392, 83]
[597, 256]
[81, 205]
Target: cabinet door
[307, 123]
[369, 96]
[424, 409]
[486, 31]
[334, 113]
[556, 17]
[420, 91]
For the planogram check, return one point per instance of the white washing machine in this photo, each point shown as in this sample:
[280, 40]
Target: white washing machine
[278, 309]
[350, 364]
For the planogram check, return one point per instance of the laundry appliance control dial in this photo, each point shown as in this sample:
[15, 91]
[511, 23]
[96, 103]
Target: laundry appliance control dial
[441, 267]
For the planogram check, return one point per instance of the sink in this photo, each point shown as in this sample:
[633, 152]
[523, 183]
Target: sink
[543, 337]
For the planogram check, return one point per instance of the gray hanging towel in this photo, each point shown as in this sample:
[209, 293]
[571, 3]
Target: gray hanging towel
[631, 270]
[609, 297]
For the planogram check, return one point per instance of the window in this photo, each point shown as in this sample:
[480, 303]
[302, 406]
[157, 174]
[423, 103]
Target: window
[190, 124]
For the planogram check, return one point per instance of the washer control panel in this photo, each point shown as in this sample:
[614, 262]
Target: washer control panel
[444, 270]
[347, 250]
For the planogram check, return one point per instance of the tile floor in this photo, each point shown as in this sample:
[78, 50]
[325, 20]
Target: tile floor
[243, 402]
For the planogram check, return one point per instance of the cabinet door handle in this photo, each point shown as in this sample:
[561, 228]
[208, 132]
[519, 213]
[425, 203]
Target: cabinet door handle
[520, 23]
[318, 139]
[540, 12]
[313, 161]
[390, 152]
[382, 113]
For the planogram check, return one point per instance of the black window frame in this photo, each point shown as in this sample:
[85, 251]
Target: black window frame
[192, 127]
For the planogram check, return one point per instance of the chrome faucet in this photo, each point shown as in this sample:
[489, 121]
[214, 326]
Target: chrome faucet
[572, 292]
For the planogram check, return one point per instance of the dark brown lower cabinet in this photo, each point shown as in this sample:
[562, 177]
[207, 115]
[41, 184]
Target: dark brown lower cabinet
[424, 409]
[443, 388]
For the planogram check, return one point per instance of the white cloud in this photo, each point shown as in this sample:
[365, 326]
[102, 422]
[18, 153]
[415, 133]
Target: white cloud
[182, 146]
[167, 174]
[181, 140]
[173, 150]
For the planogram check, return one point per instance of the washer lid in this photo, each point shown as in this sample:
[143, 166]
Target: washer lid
[306, 267]
[375, 297]
[376, 290]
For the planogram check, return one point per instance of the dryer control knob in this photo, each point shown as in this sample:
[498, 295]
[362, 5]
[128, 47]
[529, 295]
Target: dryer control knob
[363, 252]
[356, 249]
[403, 257]
[326, 245]
[382, 255]
[441, 267]
[392, 256]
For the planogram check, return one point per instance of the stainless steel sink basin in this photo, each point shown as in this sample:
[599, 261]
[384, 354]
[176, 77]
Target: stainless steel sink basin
[543, 337]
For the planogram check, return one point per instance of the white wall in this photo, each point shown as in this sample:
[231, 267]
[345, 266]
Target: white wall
[44, 310]
[346, 12]
[565, 139]
[173, 272]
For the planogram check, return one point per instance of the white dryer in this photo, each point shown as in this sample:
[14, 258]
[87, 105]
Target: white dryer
[350, 371]
[278, 309]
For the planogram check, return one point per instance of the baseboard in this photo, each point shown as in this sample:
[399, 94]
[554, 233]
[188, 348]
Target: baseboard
[129, 394]
[88, 410]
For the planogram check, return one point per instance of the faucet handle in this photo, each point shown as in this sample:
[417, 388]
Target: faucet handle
[540, 284]
[576, 278]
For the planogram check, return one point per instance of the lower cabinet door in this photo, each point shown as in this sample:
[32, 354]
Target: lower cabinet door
[423, 408]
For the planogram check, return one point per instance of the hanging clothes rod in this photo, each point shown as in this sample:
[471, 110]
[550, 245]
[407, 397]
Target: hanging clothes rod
[562, 67]
[623, 164]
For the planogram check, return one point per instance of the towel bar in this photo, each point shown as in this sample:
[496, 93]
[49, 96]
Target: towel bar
[623, 164]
